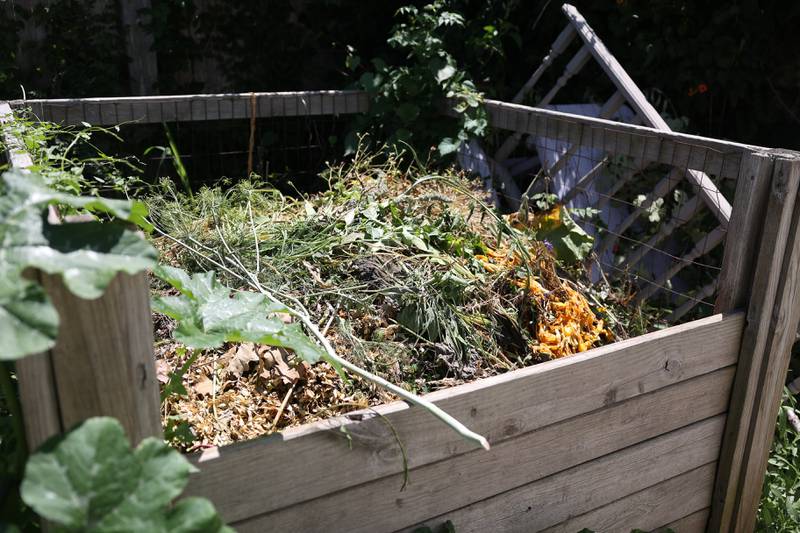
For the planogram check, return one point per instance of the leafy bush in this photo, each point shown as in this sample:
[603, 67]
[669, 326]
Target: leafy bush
[780, 507]
[406, 98]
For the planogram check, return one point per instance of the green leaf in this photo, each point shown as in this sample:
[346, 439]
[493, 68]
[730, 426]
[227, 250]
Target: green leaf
[570, 243]
[28, 321]
[25, 190]
[448, 146]
[195, 514]
[445, 73]
[210, 314]
[87, 255]
[407, 112]
[90, 480]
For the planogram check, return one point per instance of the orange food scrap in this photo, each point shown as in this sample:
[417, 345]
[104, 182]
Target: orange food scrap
[566, 323]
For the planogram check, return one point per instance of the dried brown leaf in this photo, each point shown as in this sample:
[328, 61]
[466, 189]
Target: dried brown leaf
[239, 358]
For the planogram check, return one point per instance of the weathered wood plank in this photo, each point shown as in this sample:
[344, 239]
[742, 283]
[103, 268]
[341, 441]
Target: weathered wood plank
[712, 156]
[467, 478]
[549, 501]
[103, 362]
[644, 510]
[694, 523]
[772, 321]
[38, 398]
[744, 232]
[566, 36]
[191, 107]
[704, 245]
[697, 298]
[500, 407]
[783, 323]
[15, 150]
[35, 372]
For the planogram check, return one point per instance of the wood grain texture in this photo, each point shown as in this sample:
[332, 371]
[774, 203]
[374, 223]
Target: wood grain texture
[744, 232]
[563, 40]
[500, 407]
[784, 317]
[713, 156]
[706, 188]
[103, 362]
[38, 398]
[192, 107]
[648, 508]
[35, 372]
[694, 523]
[593, 484]
[467, 478]
[764, 354]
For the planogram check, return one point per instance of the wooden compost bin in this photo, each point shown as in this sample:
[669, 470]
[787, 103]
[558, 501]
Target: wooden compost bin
[642, 433]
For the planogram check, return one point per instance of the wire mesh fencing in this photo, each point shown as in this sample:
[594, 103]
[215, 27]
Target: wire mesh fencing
[657, 204]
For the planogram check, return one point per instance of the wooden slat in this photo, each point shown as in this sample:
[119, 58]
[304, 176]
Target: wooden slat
[661, 189]
[573, 67]
[744, 232]
[103, 362]
[764, 356]
[694, 523]
[589, 487]
[697, 298]
[646, 509]
[15, 150]
[499, 407]
[566, 36]
[713, 156]
[192, 107]
[705, 244]
[467, 478]
[34, 372]
[607, 111]
[38, 398]
[783, 323]
[706, 188]
[684, 214]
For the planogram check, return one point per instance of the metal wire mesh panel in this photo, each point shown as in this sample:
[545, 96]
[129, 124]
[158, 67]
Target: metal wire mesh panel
[656, 203]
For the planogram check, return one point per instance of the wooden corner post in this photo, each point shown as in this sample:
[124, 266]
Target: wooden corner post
[102, 363]
[761, 270]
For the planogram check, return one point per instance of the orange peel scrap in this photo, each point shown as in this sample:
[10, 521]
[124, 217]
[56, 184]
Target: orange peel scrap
[566, 323]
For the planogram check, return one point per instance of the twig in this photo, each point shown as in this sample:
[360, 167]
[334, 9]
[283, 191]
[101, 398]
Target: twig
[284, 403]
[301, 313]
[255, 237]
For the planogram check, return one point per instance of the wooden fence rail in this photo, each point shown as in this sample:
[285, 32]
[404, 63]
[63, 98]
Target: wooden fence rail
[677, 422]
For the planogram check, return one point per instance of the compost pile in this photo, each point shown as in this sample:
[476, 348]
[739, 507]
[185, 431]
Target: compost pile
[409, 275]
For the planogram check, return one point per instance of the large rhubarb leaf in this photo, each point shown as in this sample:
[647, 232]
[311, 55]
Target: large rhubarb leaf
[210, 314]
[87, 255]
[91, 480]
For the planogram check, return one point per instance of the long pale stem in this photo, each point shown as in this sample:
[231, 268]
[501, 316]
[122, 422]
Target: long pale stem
[330, 352]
